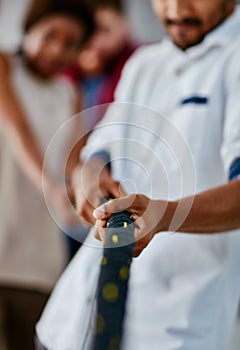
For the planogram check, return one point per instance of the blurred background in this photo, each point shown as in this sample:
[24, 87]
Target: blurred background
[12, 13]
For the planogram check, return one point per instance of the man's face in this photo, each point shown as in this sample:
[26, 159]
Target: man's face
[188, 21]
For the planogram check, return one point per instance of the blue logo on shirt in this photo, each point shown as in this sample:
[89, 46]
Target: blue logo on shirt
[195, 100]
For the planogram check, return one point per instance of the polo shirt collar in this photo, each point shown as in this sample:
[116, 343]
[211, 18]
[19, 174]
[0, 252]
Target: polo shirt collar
[225, 32]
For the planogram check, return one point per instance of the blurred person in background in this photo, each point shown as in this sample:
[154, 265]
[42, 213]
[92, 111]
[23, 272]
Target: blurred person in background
[101, 60]
[99, 67]
[34, 103]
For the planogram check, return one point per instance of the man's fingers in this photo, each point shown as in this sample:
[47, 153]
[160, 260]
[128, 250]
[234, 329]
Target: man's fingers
[87, 215]
[100, 214]
[116, 190]
[100, 232]
[100, 224]
[85, 211]
[114, 206]
[96, 234]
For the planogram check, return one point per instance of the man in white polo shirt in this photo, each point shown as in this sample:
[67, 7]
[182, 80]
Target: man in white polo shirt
[184, 289]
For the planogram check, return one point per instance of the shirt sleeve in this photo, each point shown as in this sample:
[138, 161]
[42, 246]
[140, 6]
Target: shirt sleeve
[230, 151]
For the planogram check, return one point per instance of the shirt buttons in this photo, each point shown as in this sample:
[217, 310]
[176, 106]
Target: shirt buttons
[179, 71]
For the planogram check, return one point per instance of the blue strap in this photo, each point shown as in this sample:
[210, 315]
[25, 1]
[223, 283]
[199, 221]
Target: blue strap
[234, 171]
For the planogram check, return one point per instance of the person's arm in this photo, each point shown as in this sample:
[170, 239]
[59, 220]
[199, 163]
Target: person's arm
[78, 139]
[92, 181]
[12, 116]
[26, 149]
[213, 211]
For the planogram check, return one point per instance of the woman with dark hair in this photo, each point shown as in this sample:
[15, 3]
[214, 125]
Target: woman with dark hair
[34, 103]
[102, 59]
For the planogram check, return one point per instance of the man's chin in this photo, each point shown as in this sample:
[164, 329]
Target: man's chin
[185, 38]
[184, 44]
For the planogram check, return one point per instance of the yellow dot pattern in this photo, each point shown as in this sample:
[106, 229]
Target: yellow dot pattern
[115, 239]
[104, 261]
[114, 343]
[100, 324]
[124, 273]
[112, 283]
[110, 292]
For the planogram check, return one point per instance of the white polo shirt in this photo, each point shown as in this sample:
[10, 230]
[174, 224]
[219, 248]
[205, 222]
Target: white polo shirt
[184, 289]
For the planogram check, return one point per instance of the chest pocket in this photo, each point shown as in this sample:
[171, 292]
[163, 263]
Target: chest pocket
[192, 118]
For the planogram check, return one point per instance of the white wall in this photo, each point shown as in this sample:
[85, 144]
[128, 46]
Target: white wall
[11, 16]
[144, 23]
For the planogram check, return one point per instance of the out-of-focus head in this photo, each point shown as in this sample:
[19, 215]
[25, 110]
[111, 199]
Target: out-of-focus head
[110, 37]
[54, 33]
[188, 21]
